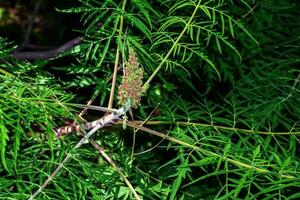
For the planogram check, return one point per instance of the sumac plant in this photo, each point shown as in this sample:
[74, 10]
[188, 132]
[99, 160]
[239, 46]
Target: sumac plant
[183, 99]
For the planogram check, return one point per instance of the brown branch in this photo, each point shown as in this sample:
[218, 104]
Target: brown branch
[45, 55]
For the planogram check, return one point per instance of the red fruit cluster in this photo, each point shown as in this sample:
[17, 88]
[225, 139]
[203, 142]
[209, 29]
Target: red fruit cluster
[132, 85]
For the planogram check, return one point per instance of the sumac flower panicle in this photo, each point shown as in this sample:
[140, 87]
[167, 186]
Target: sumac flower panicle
[132, 84]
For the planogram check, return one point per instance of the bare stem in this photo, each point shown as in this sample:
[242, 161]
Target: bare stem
[112, 163]
[204, 151]
[30, 26]
[113, 85]
[249, 131]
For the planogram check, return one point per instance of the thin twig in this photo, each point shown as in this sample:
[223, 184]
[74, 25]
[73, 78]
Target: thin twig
[204, 151]
[91, 107]
[249, 131]
[30, 26]
[155, 146]
[118, 169]
[248, 13]
[113, 84]
[93, 99]
[136, 130]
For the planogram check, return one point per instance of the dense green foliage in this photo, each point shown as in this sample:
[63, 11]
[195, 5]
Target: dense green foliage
[221, 75]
